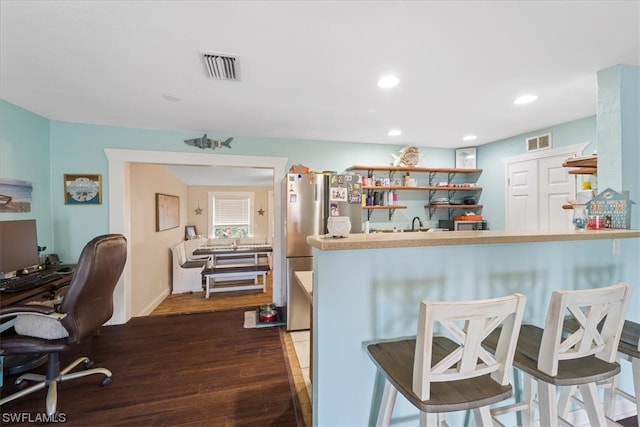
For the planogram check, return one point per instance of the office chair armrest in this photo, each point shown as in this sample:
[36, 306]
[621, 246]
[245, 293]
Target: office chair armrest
[40, 310]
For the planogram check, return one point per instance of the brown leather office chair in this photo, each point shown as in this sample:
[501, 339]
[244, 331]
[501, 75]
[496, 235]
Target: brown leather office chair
[86, 306]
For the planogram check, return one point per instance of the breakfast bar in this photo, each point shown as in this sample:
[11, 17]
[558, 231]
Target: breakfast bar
[367, 287]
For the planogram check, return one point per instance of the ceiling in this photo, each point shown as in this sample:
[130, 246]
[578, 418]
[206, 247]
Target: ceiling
[309, 68]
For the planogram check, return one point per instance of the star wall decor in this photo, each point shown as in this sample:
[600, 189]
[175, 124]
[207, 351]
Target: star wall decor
[198, 210]
[261, 212]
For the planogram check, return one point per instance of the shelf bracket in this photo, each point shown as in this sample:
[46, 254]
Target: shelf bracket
[432, 175]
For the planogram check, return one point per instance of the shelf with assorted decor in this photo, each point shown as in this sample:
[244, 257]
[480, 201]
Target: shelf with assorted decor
[587, 165]
[433, 172]
[390, 183]
[451, 208]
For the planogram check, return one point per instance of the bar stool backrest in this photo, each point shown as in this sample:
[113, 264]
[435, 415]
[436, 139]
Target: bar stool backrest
[588, 307]
[467, 324]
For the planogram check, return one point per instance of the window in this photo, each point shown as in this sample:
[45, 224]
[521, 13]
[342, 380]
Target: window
[232, 214]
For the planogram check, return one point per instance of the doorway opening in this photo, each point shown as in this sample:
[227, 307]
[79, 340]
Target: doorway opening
[120, 209]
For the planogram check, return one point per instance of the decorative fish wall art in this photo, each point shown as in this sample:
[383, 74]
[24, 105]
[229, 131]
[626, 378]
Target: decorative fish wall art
[205, 142]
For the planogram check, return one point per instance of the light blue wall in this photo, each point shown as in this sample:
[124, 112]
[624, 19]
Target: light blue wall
[79, 148]
[619, 132]
[630, 106]
[25, 156]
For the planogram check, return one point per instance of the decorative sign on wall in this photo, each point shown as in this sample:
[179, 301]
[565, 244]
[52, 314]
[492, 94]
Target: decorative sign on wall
[15, 195]
[615, 207]
[82, 189]
[167, 212]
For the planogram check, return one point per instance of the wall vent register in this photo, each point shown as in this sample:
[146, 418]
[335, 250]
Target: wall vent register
[221, 67]
[540, 142]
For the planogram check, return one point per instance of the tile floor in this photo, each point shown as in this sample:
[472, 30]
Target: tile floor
[301, 344]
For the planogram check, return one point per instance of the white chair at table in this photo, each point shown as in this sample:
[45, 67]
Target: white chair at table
[440, 374]
[549, 358]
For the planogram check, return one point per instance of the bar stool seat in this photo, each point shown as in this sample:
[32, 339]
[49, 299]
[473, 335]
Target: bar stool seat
[440, 374]
[628, 350]
[549, 358]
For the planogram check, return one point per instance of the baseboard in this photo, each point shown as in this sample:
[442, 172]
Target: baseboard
[154, 304]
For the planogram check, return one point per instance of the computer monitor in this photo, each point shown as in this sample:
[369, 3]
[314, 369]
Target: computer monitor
[18, 246]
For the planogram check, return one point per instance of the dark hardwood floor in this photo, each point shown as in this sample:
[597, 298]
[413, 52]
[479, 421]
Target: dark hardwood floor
[199, 369]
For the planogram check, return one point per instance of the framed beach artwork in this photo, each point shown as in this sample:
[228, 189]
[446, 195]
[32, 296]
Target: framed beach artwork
[15, 195]
[167, 212]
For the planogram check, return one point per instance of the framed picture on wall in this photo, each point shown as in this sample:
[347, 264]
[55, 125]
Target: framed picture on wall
[466, 158]
[82, 189]
[167, 212]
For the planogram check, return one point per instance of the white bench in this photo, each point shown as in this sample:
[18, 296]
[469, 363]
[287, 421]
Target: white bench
[187, 272]
[215, 278]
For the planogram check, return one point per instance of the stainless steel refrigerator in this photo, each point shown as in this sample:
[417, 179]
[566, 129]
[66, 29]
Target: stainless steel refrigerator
[309, 200]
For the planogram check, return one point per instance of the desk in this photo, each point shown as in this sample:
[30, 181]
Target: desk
[42, 292]
[15, 364]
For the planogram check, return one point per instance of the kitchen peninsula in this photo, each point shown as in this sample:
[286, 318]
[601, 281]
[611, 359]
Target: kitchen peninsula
[367, 287]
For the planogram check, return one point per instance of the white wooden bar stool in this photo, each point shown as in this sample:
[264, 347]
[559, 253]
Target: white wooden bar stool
[551, 359]
[628, 350]
[440, 374]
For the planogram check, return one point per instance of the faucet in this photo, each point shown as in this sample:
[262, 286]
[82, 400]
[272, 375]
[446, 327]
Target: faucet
[413, 223]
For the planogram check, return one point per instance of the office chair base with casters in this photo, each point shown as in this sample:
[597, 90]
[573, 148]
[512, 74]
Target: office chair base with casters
[53, 377]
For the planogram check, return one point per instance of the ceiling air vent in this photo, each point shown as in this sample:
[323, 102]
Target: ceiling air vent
[221, 67]
[539, 142]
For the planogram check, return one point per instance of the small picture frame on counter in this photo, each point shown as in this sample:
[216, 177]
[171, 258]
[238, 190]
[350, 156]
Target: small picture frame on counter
[190, 232]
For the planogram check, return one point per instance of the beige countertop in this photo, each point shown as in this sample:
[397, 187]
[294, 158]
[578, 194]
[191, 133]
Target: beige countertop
[450, 238]
[305, 281]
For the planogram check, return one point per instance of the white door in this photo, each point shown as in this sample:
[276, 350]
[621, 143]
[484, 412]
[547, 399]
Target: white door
[522, 196]
[537, 188]
[556, 187]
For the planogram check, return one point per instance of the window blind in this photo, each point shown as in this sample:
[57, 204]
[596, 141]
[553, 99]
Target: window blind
[231, 211]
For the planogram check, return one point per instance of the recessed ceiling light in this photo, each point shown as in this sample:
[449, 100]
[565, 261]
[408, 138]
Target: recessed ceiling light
[388, 82]
[525, 99]
[170, 97]
[469, 138]
[394, 132]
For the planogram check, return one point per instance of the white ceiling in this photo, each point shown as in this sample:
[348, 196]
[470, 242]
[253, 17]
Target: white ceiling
[309, 68]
